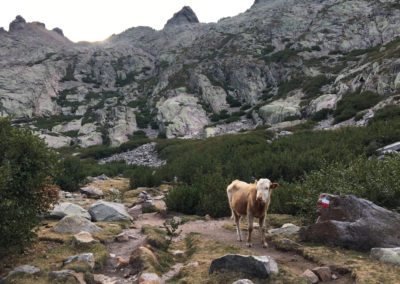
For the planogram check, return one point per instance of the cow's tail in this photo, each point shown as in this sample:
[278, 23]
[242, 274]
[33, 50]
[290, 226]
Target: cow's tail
[229, 191]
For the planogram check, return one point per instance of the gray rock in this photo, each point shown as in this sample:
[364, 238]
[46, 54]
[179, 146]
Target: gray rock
[83, 238]
[389, 148]
[259, 266]
[310, 276]
[243, 281]
[65, 208]
[66, 274]
[17, 24]
[353, 223]
[184, 16]
[144, 155]
[28, 269]
[92, 192]
[87, 258]
[75, 224]
[108, 211]
[286, 229]
[386, 255]
[102, 177]
[59, 31]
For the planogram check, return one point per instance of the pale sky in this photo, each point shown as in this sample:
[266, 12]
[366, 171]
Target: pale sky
[94, 20]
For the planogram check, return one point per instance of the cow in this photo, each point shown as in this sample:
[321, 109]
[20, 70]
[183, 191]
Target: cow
[251, 200]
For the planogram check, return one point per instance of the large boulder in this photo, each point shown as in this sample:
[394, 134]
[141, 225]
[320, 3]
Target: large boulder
[92, 192]
[66, 208]
[75, 224]
[386, 255]
[108, 211]
[259, 266]
[353, 223]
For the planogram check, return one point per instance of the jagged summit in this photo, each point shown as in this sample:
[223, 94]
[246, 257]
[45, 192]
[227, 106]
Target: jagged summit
[17, 24]
[184, 16]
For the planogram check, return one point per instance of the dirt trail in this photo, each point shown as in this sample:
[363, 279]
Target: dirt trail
[211, 230]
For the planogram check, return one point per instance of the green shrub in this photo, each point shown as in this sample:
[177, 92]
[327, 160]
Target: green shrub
[386, 113]
[288, 86]
[183, 199]
[26, 165]
[321, 114]
[352, 103]
[268, 49]
[232, 101]
[70, 174]
[69, 73]
[144, 177]
[375, 180]
[312, 86]
[281, 56]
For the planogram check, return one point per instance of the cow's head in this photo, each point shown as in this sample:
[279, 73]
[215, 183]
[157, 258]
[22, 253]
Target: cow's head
[264, 186]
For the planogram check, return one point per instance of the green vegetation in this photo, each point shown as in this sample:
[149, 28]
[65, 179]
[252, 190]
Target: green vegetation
[206, 167]
[281, 56]
[233, 102]
[375, 180]
[352, 103]
[69, 73]
[26, 190]
[50, 122]
[312, 86]
[144, 177]
[289, 86]
[70, 174]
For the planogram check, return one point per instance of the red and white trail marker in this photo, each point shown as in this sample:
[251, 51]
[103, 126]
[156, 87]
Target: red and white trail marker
[323, 202]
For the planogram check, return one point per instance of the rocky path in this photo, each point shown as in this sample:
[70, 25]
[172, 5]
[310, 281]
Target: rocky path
[211, 230]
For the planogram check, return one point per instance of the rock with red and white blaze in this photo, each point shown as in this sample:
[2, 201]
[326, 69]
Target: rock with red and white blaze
[353, 223]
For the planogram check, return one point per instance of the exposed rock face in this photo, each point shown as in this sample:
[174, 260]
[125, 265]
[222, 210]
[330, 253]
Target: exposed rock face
[259, 266]
[181, 116]
[108, 211]
[75, 224]
[184, 16]
[29, 269]
[258, 61]
[65, 208]
[386, 255]
[353, 223]
[83, 238]
[286, 229]
[17, 24]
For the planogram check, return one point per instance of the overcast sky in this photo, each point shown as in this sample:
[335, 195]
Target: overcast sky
[94, 20]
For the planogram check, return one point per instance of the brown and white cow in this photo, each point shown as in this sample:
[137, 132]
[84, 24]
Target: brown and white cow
[251, 200]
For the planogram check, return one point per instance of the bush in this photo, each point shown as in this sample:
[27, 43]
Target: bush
[26, 165]
[352, 103]
[386, 113]
[144, 177]
[312, 86]
[70, 174]
[183, 198]
[375, 180]
[321, 114]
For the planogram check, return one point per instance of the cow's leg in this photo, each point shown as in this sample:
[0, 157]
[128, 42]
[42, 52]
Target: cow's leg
[262, 230]
[237, 221]
[250, 228]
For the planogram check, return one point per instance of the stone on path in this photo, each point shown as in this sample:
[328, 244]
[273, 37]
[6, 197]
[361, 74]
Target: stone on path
[324, 273]
[243, 281]
[386, 255]
[150, 278]
[83, 238]
[286, 229]
[87, 258]
[259, 266]
[108, 211]
[75, 224]
[63, 275]
[311, 276]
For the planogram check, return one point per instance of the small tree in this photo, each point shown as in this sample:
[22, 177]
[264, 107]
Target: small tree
[26, 190]
[70, 174]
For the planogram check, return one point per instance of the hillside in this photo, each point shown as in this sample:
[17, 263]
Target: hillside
[279, 63]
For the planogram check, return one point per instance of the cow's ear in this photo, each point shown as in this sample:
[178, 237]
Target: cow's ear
[255, 182]
[274, 185]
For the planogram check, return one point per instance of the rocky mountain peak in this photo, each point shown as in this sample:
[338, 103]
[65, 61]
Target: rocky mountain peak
[59, 31]
[184, 16]
[17, 24]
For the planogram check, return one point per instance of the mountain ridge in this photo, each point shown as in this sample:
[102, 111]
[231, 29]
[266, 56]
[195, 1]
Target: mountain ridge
[277, 63]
